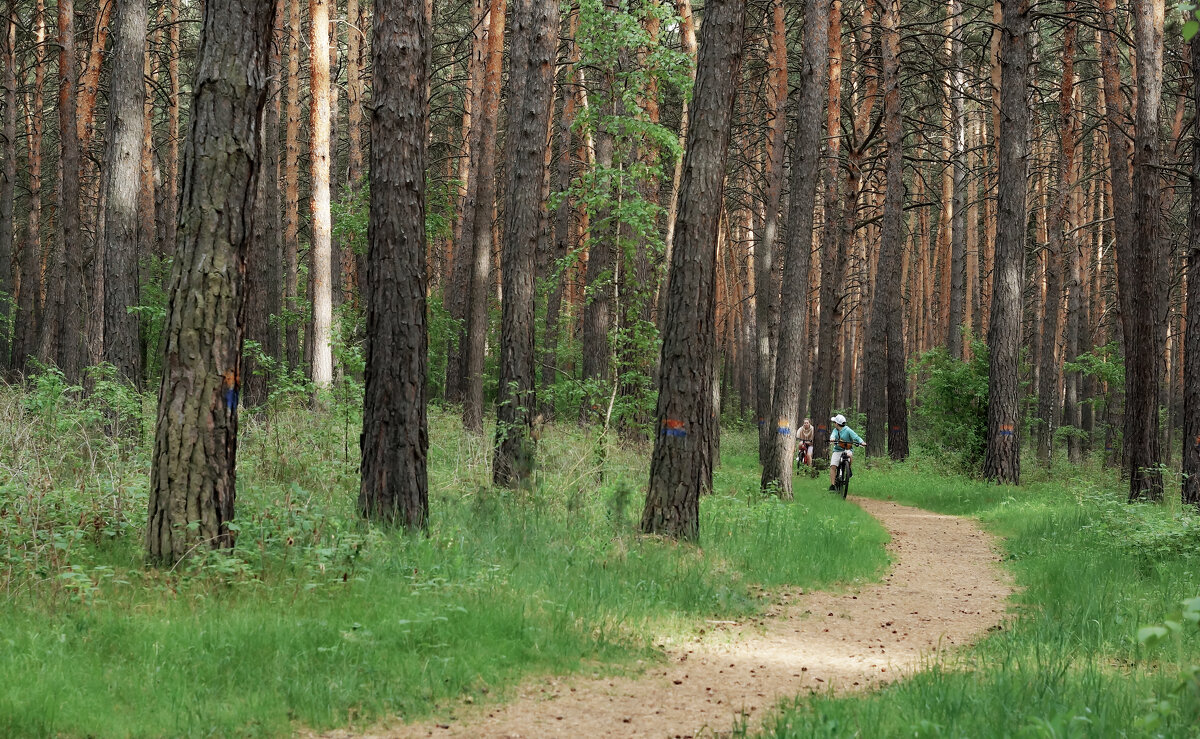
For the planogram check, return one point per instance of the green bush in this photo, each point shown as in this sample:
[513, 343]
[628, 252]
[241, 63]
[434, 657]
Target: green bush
[952, 405]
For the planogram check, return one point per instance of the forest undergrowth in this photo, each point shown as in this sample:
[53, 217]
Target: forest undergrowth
[1100, 644]
[318, 620]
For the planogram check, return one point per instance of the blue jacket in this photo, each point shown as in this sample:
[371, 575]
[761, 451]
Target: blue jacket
[844, 437]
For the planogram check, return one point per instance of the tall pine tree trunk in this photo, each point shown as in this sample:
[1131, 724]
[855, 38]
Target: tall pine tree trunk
[395, 437]
[766, 299]
[322, 244]
[1143, 261]
[28, 316]
[1002, 462]
[833, 257]
[1191, 358]
[958, 221]
[125, 133]
[889, 272]
[291, 189]
[531, 103]
[682, 463]
[193, 473]
[793, 339]
[481, 239]
[8, 175]
[264, 277]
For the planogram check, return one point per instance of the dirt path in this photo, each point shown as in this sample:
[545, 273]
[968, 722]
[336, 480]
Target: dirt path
[944, 589]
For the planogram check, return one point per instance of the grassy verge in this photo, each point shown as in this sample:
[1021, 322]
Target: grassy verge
[1092, 570]
[318, 620]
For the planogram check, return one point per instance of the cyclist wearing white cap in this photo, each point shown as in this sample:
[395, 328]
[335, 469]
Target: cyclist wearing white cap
[841, 440]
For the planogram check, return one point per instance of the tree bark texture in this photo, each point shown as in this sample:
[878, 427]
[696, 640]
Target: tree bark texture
[62, 324]
[1143, 293]
[766, 299]
[1002, 462]
[958, 221]
[481, 233]
[122, 161]
[395, 437]
[681, 465]
[531, 103]
[264, 274]
[8, 176]
[193, 475]
[793, 339]
[28, 317]
[833, 257]
[889, 278]
[291, 189]
[1191, 357]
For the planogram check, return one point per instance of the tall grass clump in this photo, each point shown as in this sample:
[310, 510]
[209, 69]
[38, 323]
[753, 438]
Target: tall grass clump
[1092, 570]
[316, 619]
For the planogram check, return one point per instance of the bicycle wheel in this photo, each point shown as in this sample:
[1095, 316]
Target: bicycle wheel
[843, 485]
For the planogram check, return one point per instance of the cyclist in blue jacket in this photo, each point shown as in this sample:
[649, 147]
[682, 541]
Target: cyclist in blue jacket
[841, 440]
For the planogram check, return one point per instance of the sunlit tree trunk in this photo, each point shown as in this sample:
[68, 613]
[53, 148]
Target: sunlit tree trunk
[126, 123]
[321, 244]
[681, 464]
[1002, 462]
[193, 472]
[531, 102]
[395, 437]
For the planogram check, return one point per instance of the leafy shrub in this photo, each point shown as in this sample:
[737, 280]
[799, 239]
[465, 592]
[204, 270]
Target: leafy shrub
[952, 404]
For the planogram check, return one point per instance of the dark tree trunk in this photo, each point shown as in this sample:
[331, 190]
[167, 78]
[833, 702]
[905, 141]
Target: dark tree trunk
[122, 161]
[681, 465]
[62, 322]
[833, 257]
[28, 315]
[1142, 293]
[887, 292]
[1002, 462]
[459, 288]
[1059, 253]
[264, 278]
[958, 226]
[395, 437]
[8, 176]
[793, 351]
[193, 476]
[480, 237]
[531, 103]
[291, 172]
[1191, 356]
[766, 285]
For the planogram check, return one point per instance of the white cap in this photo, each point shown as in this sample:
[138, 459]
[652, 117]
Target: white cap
[839, 419]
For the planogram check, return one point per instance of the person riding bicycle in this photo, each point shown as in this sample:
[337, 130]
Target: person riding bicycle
[804, 442]
[841, 440]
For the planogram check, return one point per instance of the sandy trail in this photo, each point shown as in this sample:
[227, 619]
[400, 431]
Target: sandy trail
[944, 589]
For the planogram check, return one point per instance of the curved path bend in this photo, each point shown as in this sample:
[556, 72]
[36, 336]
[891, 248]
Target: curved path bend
[944, 589]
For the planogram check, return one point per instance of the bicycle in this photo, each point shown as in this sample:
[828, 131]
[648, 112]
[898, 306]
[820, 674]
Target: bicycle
[841, 483]
[804, 458]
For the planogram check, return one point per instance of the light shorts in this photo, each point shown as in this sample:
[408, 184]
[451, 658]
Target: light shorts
[836, 458]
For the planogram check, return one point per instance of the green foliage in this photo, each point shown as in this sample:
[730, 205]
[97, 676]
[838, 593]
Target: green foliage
[316, 619]
[1192, 24]
[952, 404]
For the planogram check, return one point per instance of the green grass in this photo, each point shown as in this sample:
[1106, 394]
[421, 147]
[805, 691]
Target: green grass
[1092, 569]
[317, 620]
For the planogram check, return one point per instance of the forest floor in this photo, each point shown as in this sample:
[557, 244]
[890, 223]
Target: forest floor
[944, 589]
